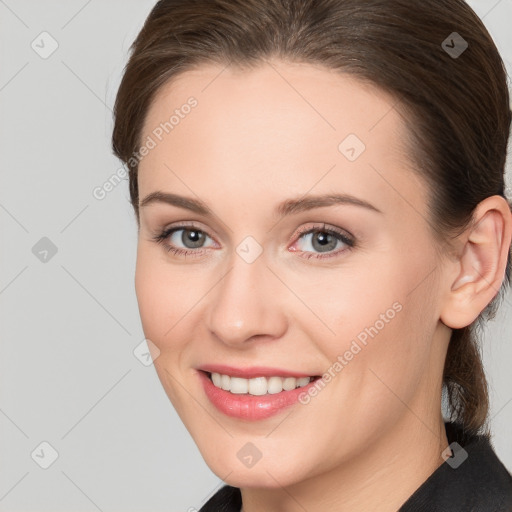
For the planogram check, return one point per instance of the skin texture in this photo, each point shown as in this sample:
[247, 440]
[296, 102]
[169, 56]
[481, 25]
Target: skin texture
[375, 432]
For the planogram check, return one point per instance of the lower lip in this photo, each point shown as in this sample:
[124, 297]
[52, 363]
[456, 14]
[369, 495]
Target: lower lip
[250, 407]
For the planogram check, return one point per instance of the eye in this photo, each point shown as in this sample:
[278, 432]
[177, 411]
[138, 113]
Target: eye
[188, 240]
[182, 240]
[324, 240]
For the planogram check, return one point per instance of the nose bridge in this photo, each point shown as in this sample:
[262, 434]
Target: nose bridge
[246, 303]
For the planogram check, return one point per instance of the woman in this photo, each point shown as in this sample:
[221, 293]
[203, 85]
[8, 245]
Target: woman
[319, 191]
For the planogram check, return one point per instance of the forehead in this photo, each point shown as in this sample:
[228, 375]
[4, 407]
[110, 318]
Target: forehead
[278, 91]
[280, 124]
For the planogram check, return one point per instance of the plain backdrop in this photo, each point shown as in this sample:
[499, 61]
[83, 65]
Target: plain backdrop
[74, 396]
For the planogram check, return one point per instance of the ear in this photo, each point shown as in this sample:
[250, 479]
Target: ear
[478, 271]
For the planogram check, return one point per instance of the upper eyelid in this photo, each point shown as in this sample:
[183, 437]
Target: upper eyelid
[324, 227]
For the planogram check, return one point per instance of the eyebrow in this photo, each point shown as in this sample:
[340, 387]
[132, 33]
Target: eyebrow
[287, 207]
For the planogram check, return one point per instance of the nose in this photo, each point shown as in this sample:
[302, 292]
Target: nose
[247, 304]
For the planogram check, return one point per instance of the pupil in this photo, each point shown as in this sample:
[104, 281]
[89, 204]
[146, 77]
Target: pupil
[322, 237]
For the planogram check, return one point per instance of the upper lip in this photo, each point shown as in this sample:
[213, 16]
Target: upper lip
[251, 372]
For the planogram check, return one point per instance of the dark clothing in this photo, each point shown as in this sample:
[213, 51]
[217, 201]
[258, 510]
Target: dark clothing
[480, 483]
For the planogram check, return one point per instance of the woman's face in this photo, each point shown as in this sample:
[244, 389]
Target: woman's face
[346, 288]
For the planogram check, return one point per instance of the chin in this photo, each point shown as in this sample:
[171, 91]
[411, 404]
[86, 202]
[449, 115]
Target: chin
[252, 478]
[269, 474]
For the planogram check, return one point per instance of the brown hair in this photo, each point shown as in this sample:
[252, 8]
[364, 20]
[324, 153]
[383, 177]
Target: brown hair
[457, 107]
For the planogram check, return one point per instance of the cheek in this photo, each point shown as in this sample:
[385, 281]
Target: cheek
[151, 297]
[359, 303]
[380, 325]
[157, 297]
[168, 297]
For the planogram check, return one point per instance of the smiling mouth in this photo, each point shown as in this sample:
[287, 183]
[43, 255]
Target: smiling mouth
[258, 386]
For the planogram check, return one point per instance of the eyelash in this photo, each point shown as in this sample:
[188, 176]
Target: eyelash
[162, 237]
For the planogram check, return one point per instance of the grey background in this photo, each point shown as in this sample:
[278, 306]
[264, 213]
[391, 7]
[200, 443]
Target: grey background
[69, 326]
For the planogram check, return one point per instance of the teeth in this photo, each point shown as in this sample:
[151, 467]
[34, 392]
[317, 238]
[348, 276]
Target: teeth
[259, 385]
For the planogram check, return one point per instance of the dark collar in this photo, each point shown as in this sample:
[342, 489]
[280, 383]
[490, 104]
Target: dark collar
[472, 480]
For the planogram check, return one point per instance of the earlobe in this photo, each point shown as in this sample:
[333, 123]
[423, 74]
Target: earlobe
[481, 266]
